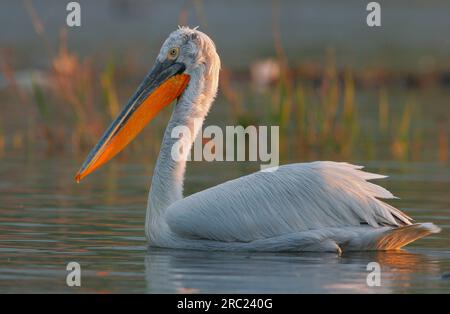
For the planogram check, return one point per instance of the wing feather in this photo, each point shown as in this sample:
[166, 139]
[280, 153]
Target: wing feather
[296, 197]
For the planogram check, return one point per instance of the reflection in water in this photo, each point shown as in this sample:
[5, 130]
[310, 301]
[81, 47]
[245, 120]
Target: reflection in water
[178, 271]
[46, 221]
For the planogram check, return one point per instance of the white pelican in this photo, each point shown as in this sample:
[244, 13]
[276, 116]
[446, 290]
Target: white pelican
[321, 206]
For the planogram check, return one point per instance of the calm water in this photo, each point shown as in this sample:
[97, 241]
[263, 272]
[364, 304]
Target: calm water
[47, 221]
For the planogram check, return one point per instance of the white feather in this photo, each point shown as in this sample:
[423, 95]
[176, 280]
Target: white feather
[296, 197]
[318, 206]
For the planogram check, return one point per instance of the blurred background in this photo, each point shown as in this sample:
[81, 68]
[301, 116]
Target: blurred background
[316, 69]
[338, 89]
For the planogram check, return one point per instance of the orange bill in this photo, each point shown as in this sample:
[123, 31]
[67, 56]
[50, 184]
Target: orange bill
[162, 86]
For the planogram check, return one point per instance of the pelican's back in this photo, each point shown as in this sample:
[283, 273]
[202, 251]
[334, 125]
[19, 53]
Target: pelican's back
[294, 198]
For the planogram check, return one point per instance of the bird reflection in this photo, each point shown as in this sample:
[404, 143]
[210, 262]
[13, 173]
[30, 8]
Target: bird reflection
[186, 271]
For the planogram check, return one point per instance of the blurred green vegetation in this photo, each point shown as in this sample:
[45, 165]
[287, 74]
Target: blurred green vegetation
[321, 109]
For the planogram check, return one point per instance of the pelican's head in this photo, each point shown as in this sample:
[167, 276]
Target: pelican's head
[187, 58]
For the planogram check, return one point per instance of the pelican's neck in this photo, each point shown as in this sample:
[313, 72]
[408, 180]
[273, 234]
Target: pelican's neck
[168, 176]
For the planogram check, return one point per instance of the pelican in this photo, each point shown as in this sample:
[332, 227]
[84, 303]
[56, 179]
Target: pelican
[321, 206]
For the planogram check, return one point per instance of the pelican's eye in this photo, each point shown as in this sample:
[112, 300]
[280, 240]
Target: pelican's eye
[173, 53]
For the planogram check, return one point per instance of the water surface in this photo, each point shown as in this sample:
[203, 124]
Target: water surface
[47, 221]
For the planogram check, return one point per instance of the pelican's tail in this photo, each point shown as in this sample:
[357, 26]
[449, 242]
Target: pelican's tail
[399, 237]
[384, 239]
